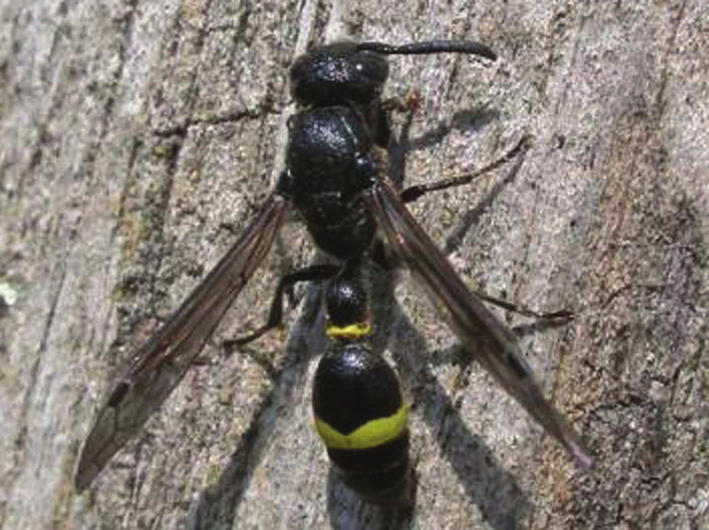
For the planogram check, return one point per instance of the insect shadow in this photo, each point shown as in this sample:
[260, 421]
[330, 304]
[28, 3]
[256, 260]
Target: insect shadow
[217, 505]
[467, 121]
[487, 485]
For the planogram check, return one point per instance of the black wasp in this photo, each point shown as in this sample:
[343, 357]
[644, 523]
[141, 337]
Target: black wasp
[336, 179]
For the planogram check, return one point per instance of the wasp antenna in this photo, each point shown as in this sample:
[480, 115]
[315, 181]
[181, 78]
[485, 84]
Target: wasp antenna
[427, 47]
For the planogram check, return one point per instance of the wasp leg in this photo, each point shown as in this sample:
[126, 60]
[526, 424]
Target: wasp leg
[408, 104]
[562, 315]
[399, 146]
[311, 273]
[412, 193]
[389, 262]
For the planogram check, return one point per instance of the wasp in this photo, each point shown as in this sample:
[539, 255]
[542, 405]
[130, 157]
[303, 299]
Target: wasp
[336, 178]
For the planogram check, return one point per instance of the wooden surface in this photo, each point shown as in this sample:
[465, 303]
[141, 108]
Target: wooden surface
[136, 140]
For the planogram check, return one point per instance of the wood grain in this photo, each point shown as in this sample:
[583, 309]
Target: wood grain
[137, 139]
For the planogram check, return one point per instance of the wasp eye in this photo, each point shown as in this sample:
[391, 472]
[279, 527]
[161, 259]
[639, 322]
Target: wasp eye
[365, 163]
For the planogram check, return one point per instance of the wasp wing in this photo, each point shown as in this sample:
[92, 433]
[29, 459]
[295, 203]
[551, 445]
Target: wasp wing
[480, 332]
[157, 367]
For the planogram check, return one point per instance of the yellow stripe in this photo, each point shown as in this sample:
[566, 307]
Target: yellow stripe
[353, 331]
[371, 434]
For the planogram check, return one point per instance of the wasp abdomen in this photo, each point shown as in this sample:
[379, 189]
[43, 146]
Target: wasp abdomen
[361, 417]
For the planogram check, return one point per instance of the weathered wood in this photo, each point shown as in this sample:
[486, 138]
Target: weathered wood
[138, 138]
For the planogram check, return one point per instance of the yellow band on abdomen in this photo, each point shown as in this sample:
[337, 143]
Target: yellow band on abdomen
[374, 432]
